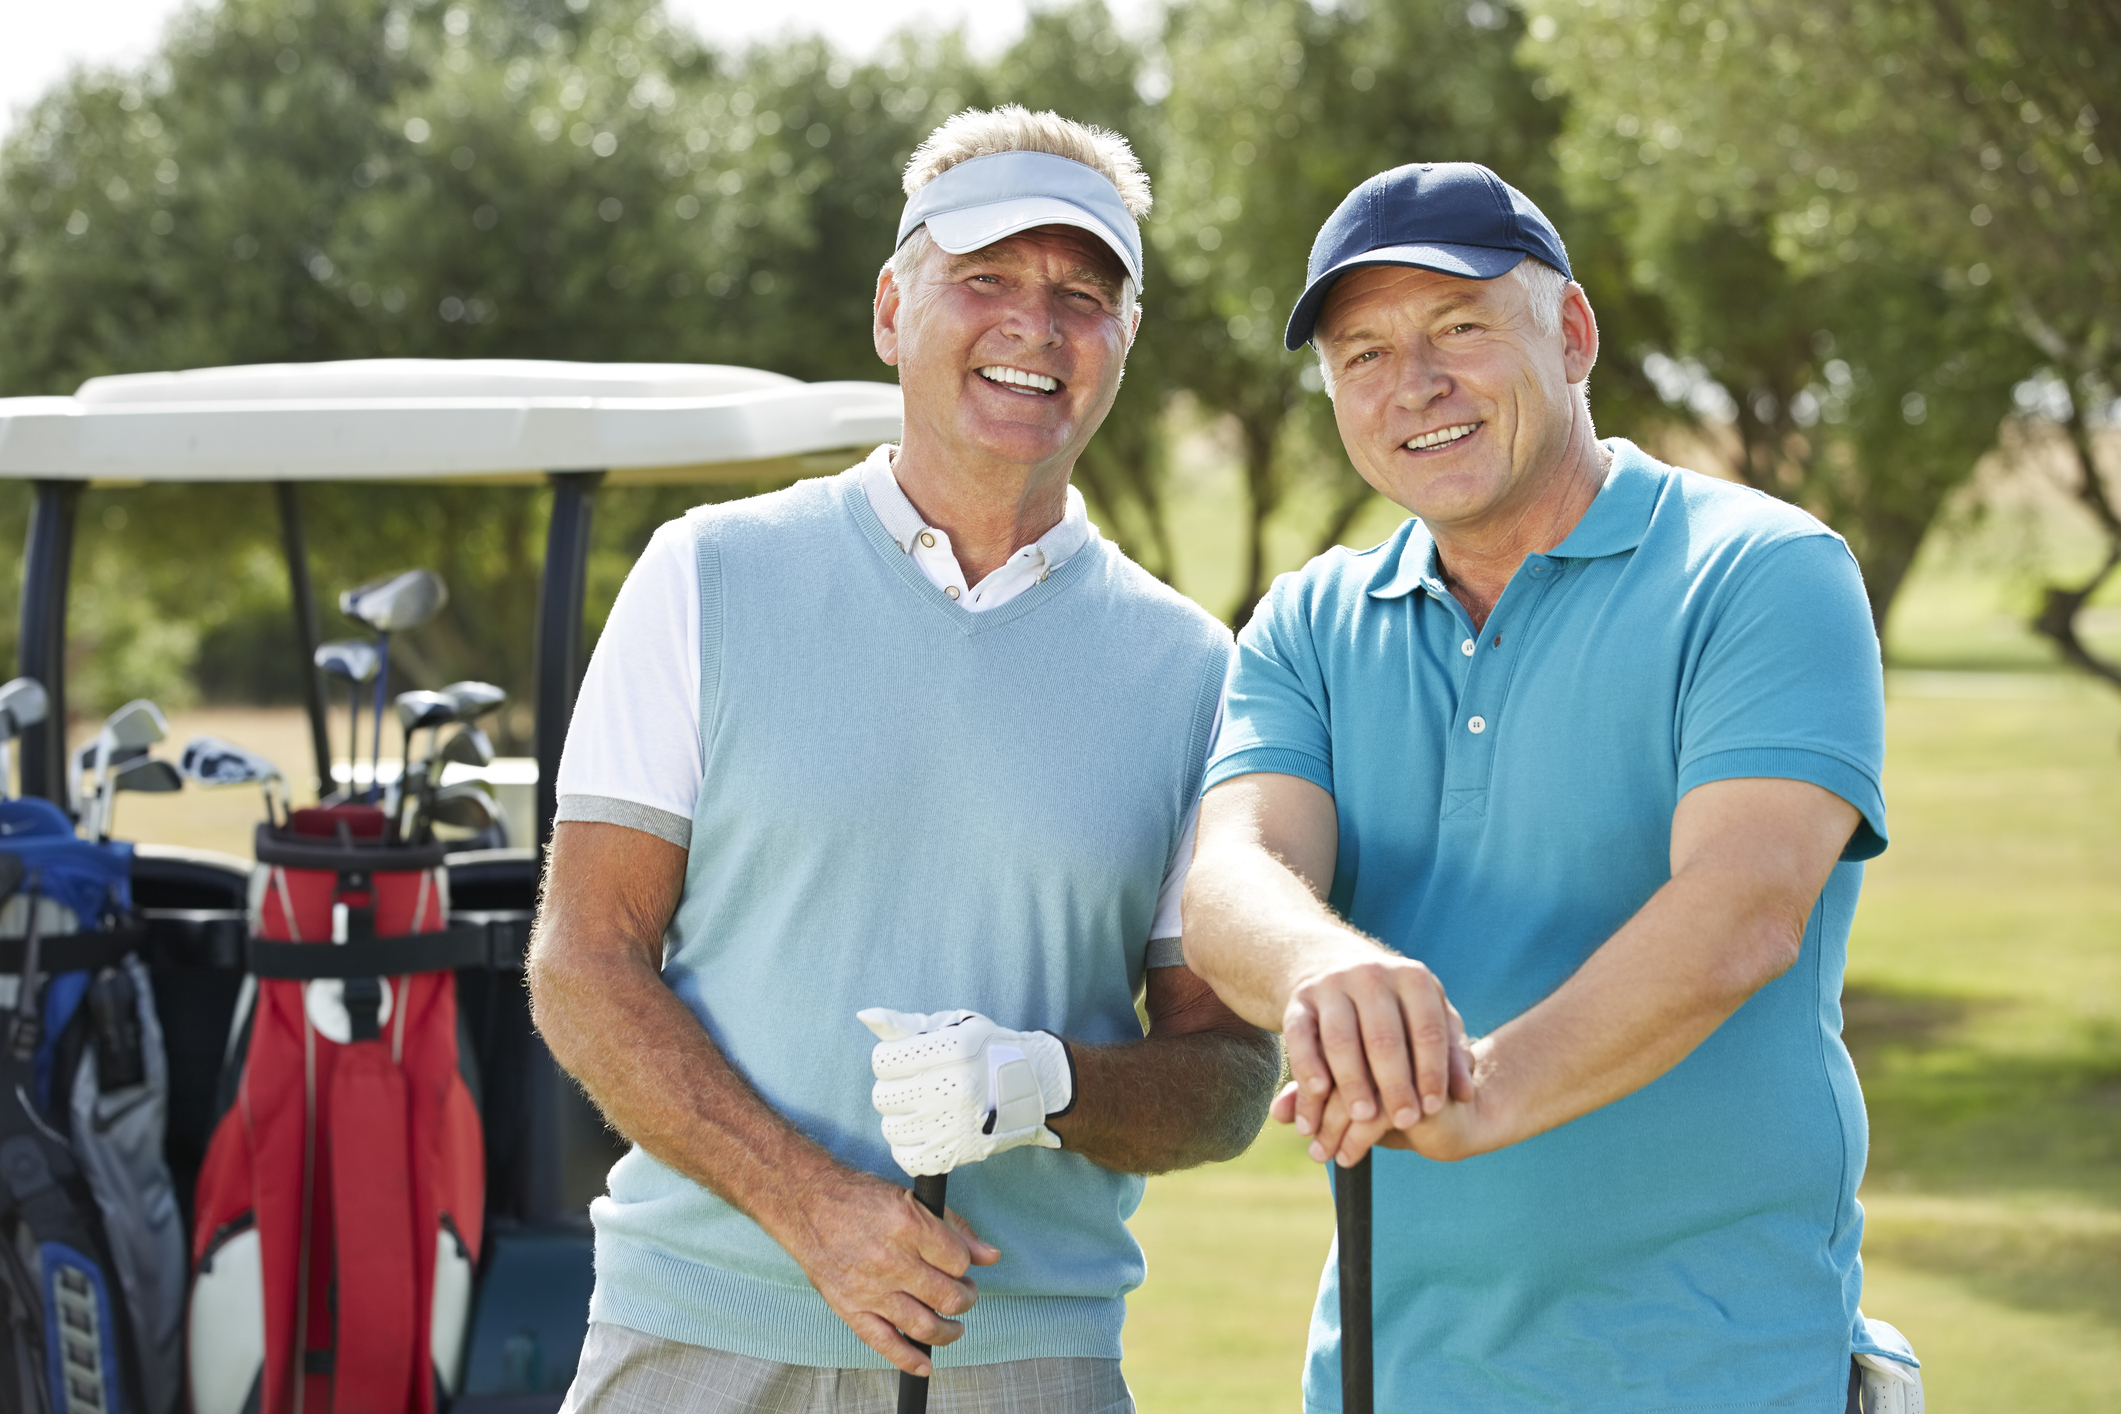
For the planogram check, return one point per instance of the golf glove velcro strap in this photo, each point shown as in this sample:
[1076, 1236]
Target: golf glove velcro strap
[954, 1088]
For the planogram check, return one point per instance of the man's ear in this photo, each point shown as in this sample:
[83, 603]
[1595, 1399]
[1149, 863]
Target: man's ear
[1134, 326]
[1579, 333]
[884, 316]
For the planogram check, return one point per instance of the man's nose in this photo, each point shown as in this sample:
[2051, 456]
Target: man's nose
[1423, 379]
[1034, 318]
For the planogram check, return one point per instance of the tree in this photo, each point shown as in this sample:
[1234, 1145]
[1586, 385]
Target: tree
[1875, 218]
[290, 180]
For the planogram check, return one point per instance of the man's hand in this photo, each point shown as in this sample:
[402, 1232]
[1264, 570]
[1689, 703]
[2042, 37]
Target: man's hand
[1377, 1037]
[955, 1088]
[885, 1265]
[881, 1261]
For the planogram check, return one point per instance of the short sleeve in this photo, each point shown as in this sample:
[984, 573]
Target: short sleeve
[1274, 702]
[632, 755]
[1789, 684]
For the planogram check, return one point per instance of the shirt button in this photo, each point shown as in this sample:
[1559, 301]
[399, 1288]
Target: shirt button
[950, 590]
[1476, 725]
[928, 539]
[1466, 648]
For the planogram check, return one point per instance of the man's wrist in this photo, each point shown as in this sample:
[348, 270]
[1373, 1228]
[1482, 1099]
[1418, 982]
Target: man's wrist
[1064, 1073]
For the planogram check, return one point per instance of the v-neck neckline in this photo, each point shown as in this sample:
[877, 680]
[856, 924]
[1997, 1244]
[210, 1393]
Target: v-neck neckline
[967, 622]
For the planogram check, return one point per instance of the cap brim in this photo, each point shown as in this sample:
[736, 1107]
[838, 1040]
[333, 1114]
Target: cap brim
[974, 227]
[1468, 262]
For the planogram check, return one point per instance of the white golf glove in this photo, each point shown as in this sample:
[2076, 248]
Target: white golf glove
[954, 1088]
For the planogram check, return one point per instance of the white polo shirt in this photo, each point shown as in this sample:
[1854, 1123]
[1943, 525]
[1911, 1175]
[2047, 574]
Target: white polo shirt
[623, 765]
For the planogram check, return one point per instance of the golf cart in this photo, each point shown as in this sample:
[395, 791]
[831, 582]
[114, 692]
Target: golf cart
[574, 427]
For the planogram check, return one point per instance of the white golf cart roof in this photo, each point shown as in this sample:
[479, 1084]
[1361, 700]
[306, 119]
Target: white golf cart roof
[442, 419]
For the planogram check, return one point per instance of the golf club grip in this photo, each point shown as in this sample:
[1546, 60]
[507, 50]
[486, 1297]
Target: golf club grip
[913, 1389]
[1351, 1214]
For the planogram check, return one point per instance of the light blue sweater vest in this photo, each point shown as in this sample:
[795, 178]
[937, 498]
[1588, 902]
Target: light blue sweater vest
[912, 806]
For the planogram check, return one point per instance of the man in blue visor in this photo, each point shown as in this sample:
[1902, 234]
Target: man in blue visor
[908, 753]
[1583, 763]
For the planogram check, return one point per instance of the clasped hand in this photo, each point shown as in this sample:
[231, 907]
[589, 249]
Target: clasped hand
[1379, 1057]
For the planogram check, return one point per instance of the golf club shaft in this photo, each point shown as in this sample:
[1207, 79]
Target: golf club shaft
[913, 1389]
[375, 761]
[1351, 1212]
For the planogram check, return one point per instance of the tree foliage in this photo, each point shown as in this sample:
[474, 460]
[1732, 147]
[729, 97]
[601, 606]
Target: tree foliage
[1869, 223]
[1835, 237]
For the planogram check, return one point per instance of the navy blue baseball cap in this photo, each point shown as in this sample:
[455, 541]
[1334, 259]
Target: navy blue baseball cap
[1456, 218]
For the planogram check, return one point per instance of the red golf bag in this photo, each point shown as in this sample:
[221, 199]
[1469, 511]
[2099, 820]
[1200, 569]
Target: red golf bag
[340, 1204]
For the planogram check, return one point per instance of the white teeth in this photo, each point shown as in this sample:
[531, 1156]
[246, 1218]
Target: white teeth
[1016, 377]
[1442, 437]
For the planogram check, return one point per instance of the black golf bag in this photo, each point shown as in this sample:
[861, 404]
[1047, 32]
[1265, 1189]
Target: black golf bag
[91, 1239]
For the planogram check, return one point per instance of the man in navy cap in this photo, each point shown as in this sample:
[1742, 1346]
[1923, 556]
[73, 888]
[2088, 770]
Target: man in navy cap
[915, 743]
[1588, 755]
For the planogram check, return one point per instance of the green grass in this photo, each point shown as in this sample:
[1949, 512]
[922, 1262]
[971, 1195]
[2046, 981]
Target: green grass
[1984, 1011]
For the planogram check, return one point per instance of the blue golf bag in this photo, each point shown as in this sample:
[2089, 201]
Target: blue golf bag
[92, 1258]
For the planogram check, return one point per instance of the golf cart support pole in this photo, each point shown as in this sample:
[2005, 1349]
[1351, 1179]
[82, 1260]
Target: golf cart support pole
[559, 647]
[1351, 1214]
[913, 1389]
[558, 660]
[47, 563]
[304, 601]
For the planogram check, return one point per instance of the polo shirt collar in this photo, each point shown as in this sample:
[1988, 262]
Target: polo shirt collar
[1615, 522]
[902, 522]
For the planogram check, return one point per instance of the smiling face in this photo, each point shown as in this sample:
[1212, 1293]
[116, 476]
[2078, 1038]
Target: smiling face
[1450, 398]
[1011, 353]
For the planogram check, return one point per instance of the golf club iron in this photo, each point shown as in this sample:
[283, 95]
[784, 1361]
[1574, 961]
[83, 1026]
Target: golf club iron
[210, 761]
[23, 704]
[463, 806]
[929, 1189]
[354, 660]
[390, 606]
[1351, 1216]
[145, 775]
[125, 734]
[416, 710]
[467, 746]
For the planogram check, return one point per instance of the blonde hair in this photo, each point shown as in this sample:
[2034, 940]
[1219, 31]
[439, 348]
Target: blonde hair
[980, 132]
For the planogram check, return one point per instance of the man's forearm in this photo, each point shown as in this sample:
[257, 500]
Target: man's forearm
[1193, 1091]
[660, 1080]
[1255, 925]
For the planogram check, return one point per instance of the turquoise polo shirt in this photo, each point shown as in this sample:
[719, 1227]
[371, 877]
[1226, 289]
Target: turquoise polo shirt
[1505, 802]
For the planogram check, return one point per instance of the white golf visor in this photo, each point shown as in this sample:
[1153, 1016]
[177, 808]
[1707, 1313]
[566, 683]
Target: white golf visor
[986, 199]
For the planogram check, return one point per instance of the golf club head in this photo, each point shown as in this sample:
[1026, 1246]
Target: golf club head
[403, 601]
[210, 761]
[475, 699]
[353, 659]
[468, 746]
[138, 723]
[147, 774]
[23, 703]
[464, 806]
[425, 709]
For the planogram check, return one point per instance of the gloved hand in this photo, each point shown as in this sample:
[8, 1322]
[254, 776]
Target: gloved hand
[954, 1088]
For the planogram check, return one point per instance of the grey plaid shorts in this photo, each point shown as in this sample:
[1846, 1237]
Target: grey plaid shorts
[624, 1371]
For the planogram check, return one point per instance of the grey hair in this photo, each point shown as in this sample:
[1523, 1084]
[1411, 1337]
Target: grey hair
[980, 132]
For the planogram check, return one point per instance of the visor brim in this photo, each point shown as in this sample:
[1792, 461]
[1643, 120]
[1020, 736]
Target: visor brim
[975, 227]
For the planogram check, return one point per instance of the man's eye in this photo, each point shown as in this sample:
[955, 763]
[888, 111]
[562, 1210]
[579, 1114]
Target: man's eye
[1363, 357]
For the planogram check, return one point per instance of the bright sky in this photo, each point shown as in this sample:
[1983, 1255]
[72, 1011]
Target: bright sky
[43, 40]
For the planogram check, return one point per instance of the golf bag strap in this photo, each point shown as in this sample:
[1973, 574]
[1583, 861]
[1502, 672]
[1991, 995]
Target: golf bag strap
[442, 951]
[73, 952]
